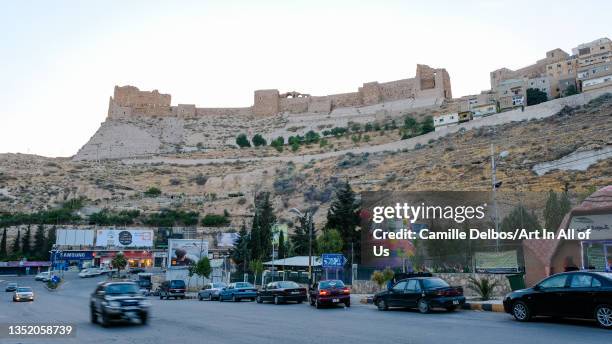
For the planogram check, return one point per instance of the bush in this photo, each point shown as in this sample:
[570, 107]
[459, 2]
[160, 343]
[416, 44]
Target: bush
[484, 287]
[369, 127]
[258, 140]
[213, 220]
[175, 181]
[242, 141]
[153, 192]
[278, 143]
[338, 131]
[200, 179]
[311, 137]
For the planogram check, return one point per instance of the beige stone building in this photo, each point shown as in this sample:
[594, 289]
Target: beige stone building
[594, 64]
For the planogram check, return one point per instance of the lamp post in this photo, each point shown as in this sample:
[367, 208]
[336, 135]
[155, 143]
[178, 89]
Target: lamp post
[308, 221]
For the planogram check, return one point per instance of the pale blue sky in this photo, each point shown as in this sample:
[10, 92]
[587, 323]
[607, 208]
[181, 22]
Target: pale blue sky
[59, 60]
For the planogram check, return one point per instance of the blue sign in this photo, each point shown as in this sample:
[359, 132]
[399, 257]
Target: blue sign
[75, 255]
[332, 260]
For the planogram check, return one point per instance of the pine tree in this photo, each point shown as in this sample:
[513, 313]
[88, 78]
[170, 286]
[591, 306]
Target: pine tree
[520, 218]
[50, 241]
[25, 242]
[39, 243]
[565, 205]
[299, 238]
[266, 220]
[555, 209]
[3, 252]
[281, 245]
[240, 251]
[343, 215]
[16, 249]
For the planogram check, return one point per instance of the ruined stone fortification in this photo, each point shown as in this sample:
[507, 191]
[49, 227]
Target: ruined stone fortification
[142, 123]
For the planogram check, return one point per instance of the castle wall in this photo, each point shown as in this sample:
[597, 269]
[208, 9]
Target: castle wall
[266, 102]
[345, 99]
[294, 105]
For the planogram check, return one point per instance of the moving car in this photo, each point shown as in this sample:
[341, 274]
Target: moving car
[43, 276]
[211, 291]
[329, 292]
[90, 272]
[23, 294]
[282, 291]
[173, 288]
[238, 291]
[423, 293]
[118, 301]
[11, 287]
[576, 294]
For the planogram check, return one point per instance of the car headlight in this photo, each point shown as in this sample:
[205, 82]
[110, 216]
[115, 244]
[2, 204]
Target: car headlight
[114, 304]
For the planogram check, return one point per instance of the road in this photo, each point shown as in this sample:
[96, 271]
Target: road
[192, 321]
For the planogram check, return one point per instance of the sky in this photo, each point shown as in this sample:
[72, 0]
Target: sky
[60, 60]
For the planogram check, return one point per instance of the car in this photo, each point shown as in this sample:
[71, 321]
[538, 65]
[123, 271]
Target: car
[90, 272]
[43, 276]
[11, 287]
[23, 294]
[136, 270]
[281, 292]
[118, 301]
[576, 294]
[211, 291]
[238, 291]
[329, 292]
[422, 293]
[172, 288]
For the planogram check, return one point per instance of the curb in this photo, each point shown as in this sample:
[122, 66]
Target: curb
[486, 307]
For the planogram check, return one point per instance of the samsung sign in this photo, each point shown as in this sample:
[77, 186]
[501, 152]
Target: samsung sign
[75, 255]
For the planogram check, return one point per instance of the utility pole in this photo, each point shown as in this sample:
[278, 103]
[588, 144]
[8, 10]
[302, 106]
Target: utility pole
[494, 186]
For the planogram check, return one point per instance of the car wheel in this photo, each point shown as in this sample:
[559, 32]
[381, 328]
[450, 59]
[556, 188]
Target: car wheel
[382, 305]
[423, 306]
[143, 318]
[210, 298]
[234, 299]
[276, 300]
[200, 298]
[105, 321]
[300, 301]
[94, 316]
[603, 315]
[451, 308]
[521, 311]
[259, 300]
[220, 298]
[347, 304]
[161, 297]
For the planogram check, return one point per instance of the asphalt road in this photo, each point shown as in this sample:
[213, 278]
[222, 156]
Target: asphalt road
[192, 321]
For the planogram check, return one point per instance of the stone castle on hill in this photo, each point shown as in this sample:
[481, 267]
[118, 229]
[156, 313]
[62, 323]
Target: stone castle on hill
[429, 82]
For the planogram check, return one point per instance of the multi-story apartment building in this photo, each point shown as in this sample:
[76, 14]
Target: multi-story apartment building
[594, 64]
[542, 83]
[511, 93]
[562, 75]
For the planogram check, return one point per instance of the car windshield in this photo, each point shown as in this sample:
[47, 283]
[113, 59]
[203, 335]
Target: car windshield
[432, 283]
[123, 288]
[331, 284]
[24, 290]
[244, 285]
[177, 284]
[219, 285]
[288, 284]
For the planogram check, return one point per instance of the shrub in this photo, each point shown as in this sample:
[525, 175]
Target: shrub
[258, 140]
[355, 127]
[278, 143]
[311, 137]
[175, 181]
[153, 192]
[242, 141]
[295, 146]
[369, 127]
[213, 220]
[483, 286]
[200, 179]
[338, 131]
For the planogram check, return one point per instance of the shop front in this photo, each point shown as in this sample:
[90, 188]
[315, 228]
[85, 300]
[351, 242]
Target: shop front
[597, 251]
[135, 258]
[62, 260]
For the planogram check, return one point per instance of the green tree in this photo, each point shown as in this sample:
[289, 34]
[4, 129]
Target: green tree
[330, 242]
[263, 220]
[3, 251]
[410, 124]
[242, 141]
[427, 125]
[16, 248]
[50, 240]
[240, 251]
[278, 143]
[311, 137]
[299, 239]
[39, 243]
[119, 262]
[520, 218]
[343, 216]
[535, 96]
[570, 91]
[213, 220]
[282, 250]
[153, 192]
[202, 268]
[256, 266]
[25, 242]
[258, 140]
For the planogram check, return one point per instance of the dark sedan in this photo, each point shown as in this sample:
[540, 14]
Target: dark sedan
[329, 292]
[577, 294]
[423, 293]
[281, 292]
[11, 287]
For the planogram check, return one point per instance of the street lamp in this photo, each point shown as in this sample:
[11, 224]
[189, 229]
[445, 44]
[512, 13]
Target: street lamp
[308, 220]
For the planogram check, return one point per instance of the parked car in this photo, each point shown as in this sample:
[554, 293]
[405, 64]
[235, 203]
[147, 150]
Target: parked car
[23, 294]
[137, 270]
[118, 301]
[238, 291]
[11, 287]
[423, 293]
[43, 276]
[577, 294]
[329, 292]
[281, 292]
[211, 291]
[90, 272]
[173, 288]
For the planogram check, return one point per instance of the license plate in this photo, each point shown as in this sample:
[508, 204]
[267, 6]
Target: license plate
[455, 302]
[335, 300]
[295, 292]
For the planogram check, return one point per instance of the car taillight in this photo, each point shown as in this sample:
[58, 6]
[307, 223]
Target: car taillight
[346, 290]
[323, 292]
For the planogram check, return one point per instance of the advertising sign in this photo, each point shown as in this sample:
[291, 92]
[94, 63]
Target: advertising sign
[124, 238]
[599, 224]
[75, 255]
[226, 239]
[74, 237]
[186, 252]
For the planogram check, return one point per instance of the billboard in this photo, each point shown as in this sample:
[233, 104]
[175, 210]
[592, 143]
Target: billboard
[186, 252]
[226, 239]
[124, 238]
[74, 237]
